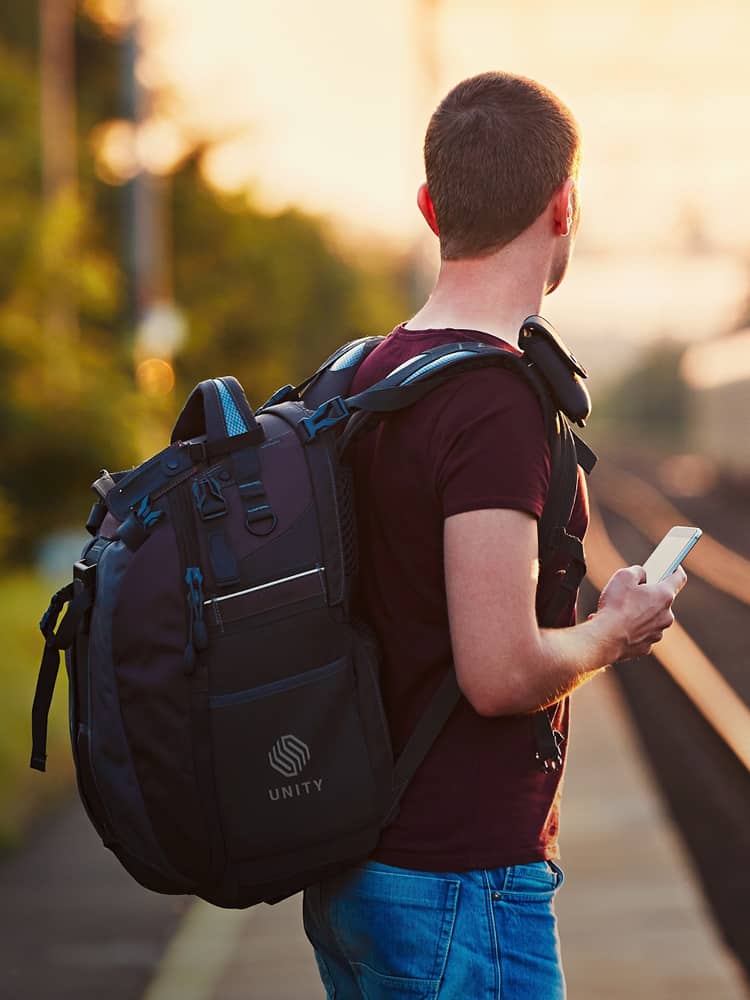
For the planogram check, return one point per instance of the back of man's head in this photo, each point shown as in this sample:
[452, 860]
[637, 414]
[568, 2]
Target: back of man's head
[497, 147]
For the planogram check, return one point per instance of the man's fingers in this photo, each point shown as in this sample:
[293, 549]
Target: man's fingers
[671, 585]
[674, 582]
[677, 580]
[637, 572]
[666, 620]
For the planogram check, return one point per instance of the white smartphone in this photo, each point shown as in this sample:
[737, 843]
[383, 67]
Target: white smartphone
[670, 552]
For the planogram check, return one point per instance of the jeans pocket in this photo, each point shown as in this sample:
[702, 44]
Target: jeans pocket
[394, 926]
[536, 881]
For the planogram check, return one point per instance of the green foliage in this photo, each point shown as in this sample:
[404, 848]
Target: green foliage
[19, 163]
[650, 400]
[64, 393]
[268, 297]
[25, 793]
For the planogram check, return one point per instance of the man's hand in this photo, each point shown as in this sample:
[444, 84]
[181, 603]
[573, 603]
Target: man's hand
[504, 662]
[637, 613]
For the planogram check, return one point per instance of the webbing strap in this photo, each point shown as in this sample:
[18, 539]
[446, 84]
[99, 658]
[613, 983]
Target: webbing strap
[55, 641]
[553, 539]
[45, 687]
[586, 457]
[207, 451]
[561, 498]
[432, 720]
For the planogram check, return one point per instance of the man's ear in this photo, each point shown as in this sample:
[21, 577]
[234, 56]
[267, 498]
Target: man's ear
[427, 208]
[564, 207]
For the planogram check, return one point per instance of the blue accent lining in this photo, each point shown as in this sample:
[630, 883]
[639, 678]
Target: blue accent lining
[232, 417]
[446, 359]
[349, 357]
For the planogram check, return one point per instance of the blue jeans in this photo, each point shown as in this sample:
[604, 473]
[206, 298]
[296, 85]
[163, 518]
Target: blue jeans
[382, 932]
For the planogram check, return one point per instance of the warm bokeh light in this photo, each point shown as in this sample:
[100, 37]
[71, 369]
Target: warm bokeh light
[122, 149]
[155, 377]
[325, 106]
[159, 145]
[161, 332]
[688, 475]
[112, 16]
[658, 91]
[113, 143]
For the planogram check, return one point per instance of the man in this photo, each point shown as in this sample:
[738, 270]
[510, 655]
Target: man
[457, 900]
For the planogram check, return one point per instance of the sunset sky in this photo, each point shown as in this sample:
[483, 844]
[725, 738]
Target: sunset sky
[325, 105]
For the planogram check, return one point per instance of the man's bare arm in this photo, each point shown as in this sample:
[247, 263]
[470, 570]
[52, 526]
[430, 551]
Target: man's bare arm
[505, 663]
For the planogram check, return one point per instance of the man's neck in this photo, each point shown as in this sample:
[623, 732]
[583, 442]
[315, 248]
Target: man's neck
[491, 294]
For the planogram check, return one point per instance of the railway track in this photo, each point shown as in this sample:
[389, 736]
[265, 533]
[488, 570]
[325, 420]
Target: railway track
[690, 699]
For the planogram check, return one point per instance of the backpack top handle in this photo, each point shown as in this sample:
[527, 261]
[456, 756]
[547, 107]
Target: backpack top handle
[217, 408]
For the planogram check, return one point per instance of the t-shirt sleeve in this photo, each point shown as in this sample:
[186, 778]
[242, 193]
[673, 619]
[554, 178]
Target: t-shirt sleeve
[489, 447]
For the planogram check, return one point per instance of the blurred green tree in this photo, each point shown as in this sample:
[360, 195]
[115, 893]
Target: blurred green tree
[265, 297]
[269, 297]
[61, 391]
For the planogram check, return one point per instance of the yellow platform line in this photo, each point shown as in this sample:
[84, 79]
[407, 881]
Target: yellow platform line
[198, 953]
[680, 655]
[650, 511]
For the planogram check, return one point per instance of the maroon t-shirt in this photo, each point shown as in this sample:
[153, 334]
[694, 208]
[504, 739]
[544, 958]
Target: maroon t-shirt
[478, 800]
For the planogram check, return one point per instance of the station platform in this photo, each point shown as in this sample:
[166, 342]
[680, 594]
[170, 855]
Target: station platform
[632, 919]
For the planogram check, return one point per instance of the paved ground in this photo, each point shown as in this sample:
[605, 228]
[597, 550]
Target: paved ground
[73, 924]
[633, 921]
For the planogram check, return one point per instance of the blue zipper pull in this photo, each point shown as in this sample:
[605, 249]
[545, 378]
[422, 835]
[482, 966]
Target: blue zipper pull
[197, 631]
[147, 517]
[136, 528]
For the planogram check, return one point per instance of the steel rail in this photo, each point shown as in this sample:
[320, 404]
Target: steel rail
[680, 655]
[649, 510]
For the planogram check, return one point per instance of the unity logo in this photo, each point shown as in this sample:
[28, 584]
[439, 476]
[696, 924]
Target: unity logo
[289, 756]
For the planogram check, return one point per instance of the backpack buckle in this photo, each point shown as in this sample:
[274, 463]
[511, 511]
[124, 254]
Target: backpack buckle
[209, 499]
[552, 762]
[328, 414]
[197, 450]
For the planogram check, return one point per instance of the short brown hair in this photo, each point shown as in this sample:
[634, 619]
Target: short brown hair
[497, 147]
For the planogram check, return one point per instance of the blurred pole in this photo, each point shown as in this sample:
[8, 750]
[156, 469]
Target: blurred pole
[58, 147]
[147, 251]
[58, 109]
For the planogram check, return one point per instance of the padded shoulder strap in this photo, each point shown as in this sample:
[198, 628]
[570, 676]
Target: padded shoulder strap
[334, 376]
[416, 377]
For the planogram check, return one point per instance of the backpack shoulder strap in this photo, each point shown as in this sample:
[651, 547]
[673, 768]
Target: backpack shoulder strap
[407, 384]
[404, 386]
[332, 378]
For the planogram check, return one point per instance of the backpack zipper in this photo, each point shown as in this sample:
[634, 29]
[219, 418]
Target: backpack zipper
[190, 572]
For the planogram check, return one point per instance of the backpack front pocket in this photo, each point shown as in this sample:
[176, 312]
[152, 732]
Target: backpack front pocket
[291, 762]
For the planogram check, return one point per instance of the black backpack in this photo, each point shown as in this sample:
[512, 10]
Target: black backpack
[225, 712]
